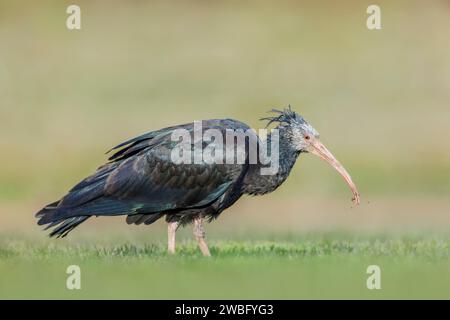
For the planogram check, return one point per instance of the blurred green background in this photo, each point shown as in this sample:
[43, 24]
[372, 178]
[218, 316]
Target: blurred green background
[380, 100]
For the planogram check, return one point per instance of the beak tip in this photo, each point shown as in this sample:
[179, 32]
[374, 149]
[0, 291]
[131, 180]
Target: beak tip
[356, 199]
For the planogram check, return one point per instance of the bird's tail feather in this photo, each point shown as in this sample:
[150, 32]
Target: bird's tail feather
[65, 226]
[62, 226]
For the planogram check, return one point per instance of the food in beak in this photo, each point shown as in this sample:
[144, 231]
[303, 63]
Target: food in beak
[318, 149]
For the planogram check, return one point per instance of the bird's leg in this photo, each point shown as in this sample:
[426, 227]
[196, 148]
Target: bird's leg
[171, 231]
[199, 234]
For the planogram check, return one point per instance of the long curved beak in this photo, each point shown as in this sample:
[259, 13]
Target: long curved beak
[318, 149]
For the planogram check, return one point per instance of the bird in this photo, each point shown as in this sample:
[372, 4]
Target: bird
[142, 182]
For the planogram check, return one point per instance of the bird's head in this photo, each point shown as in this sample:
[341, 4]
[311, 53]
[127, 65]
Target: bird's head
[302, 137]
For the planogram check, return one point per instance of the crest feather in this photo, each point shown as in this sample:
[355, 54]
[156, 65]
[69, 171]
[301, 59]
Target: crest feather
[285, 116]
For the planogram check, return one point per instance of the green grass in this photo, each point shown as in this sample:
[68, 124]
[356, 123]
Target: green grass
[311, 267]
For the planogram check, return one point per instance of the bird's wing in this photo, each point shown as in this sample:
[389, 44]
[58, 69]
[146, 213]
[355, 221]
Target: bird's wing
[143, 179]
[149, 139]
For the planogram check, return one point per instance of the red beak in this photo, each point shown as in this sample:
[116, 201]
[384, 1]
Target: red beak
[317, 148]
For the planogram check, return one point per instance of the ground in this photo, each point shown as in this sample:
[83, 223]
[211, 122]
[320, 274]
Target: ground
[315, 266]
[262, 247]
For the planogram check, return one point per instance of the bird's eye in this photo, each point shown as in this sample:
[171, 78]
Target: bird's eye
[307, 137]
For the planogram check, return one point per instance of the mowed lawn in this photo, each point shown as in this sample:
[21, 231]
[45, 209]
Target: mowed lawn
[315, 266]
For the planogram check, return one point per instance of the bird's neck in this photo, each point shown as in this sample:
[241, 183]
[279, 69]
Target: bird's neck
[257, 183]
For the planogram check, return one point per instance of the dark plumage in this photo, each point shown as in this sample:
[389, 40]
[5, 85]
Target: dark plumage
[143, 183]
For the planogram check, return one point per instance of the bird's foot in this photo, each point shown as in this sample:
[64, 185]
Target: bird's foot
[199, 233]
